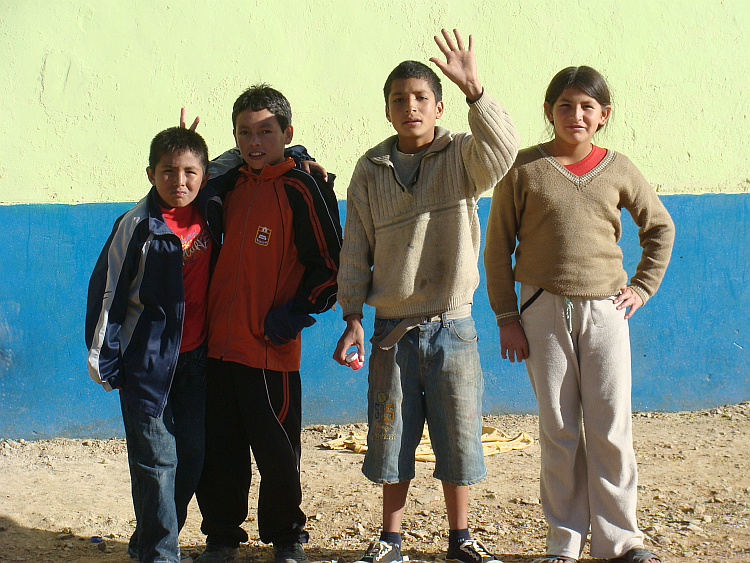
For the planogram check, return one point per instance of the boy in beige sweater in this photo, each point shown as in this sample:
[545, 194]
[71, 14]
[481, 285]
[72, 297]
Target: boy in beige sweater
[410, 250]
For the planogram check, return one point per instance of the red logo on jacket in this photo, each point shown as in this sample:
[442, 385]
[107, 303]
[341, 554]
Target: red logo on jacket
[263, 236]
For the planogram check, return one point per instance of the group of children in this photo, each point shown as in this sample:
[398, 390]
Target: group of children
[198, 299]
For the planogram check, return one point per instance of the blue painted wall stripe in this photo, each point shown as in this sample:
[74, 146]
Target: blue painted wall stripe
[690, 343]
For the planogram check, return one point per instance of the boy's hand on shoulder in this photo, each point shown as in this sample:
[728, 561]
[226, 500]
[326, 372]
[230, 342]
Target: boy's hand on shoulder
[282, 325]
[183, 120]
[460, 64]
[311, 166]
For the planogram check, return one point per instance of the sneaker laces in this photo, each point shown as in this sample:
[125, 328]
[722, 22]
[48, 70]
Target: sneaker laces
[376, 551]
[475, 549]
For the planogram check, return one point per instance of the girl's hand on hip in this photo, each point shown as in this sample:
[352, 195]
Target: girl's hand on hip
[627, 298]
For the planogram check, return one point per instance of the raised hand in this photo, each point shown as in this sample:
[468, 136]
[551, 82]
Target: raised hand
[460, 64]
[182, 120]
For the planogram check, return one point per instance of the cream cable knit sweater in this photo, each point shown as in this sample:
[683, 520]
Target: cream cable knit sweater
[411, 254]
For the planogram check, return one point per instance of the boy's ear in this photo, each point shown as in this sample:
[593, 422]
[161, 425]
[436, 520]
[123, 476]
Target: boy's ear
[387, 113]
[234, 134]
[206, 176]
[288, 134]
[150, 174]
[439, 108]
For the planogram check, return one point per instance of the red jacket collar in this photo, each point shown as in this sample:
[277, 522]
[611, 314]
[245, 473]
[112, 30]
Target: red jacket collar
[269, 172]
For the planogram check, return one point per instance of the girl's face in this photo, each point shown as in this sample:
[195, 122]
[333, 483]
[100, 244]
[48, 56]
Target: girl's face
[576, 116]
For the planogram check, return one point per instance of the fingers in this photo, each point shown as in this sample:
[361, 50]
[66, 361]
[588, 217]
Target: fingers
[628, 299]
[311, 166]
[183, 120]
[439, 63]
[449, 39]
[450, 45]
[631, 311]
[348, 339]
[339, 355]
[513, 344]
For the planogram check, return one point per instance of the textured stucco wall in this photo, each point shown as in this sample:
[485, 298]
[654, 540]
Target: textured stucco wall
[87, 84]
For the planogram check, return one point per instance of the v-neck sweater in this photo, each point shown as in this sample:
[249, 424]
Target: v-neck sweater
[564, 229]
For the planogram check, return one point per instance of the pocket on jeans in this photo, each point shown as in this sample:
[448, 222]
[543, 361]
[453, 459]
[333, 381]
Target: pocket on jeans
[381, 328]
[464, 329]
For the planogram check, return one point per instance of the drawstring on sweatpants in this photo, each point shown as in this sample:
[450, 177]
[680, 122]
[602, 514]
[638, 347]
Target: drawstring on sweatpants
[569, 314]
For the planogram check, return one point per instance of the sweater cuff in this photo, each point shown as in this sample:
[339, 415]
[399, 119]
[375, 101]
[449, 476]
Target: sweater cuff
[468, 101]
[640, 291]
[350, 309]
[506, 318]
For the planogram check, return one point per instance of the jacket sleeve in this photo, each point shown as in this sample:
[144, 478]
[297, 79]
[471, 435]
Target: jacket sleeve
[317, 236]
[107, 305]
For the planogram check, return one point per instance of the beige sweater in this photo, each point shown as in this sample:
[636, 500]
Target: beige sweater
[567, 228]
[410, 253]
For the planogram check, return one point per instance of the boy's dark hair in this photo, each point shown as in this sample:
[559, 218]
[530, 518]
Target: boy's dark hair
[584, 78]
[262, 96]
[177, 140]
[414, 69]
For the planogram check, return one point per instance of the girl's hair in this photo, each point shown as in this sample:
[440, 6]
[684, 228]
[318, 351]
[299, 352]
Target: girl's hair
[584, 78]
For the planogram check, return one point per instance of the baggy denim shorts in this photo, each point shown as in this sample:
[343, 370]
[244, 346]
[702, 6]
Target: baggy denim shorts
[432, 374]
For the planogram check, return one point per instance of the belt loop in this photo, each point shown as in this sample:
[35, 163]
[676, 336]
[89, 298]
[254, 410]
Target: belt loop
[444, 319]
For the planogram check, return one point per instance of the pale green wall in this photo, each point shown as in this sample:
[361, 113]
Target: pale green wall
[87, 84]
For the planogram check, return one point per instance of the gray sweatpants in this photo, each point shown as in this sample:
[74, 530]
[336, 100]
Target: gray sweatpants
[579, 366]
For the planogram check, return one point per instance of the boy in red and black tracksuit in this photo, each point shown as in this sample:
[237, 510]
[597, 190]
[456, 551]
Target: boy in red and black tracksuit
[277, 266]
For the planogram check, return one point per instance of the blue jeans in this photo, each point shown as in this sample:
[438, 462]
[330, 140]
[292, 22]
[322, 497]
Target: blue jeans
[165, 455]
[433, 374]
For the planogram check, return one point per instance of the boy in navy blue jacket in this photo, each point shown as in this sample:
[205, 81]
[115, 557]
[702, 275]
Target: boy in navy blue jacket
[146, 331]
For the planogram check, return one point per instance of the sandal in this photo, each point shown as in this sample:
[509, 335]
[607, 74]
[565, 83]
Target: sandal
[636, 555]
[550, 558]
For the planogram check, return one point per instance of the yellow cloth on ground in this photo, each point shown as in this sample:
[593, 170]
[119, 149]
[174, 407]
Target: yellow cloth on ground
[494, 441]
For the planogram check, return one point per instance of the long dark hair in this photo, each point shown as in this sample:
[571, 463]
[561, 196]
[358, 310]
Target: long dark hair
[584, 78]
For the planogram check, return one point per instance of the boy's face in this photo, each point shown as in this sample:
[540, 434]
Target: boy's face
[178, 177]
[412, 111]
[260, 138]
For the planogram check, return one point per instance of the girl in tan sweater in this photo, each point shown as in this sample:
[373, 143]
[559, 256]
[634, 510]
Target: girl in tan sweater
[558, 210]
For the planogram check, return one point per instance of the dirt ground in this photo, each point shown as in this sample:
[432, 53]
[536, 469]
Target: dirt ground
[694, 500]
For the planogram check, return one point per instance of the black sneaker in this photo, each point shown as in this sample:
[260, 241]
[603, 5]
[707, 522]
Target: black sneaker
[382, 552]
[218, 554]
[470, 551]
[290, 553]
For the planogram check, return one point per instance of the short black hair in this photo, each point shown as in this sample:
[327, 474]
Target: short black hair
[177, 140]
[414, 69]
[259, 97]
